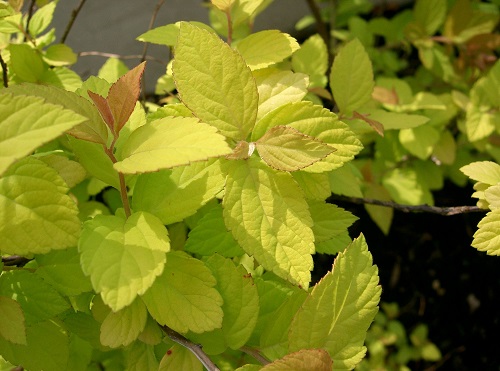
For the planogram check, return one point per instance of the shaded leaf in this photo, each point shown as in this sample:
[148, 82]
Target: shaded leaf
[12, 327]
[303, 360]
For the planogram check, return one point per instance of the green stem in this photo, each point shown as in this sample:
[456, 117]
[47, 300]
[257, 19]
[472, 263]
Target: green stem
[121, 178]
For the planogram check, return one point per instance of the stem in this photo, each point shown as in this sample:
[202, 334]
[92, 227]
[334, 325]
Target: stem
[194, 348]
[74, 14]
[15, 260]
[4, 72]
[119, 56]
[446, 211]
[320, 25]
[255, 354]
[31, 10]
[121, 177]
[229, 27]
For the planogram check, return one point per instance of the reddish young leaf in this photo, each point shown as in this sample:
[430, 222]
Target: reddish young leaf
[124, 94]
[377, 126]
[103, 106]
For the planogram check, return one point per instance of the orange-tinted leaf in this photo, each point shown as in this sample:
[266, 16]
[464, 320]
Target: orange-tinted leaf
[303, 360]
[103, 106]
[124, 94]
[376, 125]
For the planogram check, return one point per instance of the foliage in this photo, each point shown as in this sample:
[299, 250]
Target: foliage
[182, 234]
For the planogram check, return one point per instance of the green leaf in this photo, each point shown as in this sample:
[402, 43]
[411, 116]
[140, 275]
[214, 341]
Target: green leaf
[28, 122]
[41, 19]
[241, 301]
[12, 327]
[112, 70]
[26, 63]
[59, 55]
[340, 308]
[314, 186]
[478, 125]
[351, 77]
[38, 300]
[62, 270]
[140, 357]
[163, 35]
[211, 236]
[430, 14]
[329, 220]
[316, 122]
[264, 48]
[47, 348]
[278, 88]
[186, 286]
[483, 171]
[492, 195]
[284, 148]
[269, 218]
[346, 181]
[180, 358]
[312, 59]
[214, 82]
[487, 237]
[303, 360]
[123, 327]
[382, 216]
[405, 187]
[123, 257]
[71, 171]
[223, 5]
[173, 195]
[419, 141]
[394, 120]
[170, 142]
[36, 214]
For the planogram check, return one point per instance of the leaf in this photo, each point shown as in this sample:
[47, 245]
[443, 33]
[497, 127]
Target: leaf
[47, 348]
[314, 186]
[62, 270]
[278, 88]
[104, 109]
[180, 358]
[351, 77]
[123, 257]
[406, 188]
[59, 55]
[26, 63]
[211, 236]
[241, 301]
[224, 5]
[140, 357]
[346, 181]
[38, 300]
[284, 148]
[123, 95]
[316, 122]
[185, 287]
[93, 130]
[340, 308]
[419, 141]
[478, 125]
[28, 122]
[394, 120]
[303, 360]
[168, 34]
[487, 238]
[264, 48]
[12, 326]
[123, 327]
[36, 214]
[170, 142]
[269, 218]
[382, 216]
[329, 220]
[71, 171]
[214, 82]
[483, 171]
[112, 70]
[41, 19]
[430, 14]
[492, 195]
[312, 59]
[173, 195]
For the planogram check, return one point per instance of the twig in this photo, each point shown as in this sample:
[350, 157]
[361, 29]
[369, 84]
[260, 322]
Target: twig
[4, 72]
[195, 348]
[31, 10]
[15, 260]
[119, 56]
[320, 25]
[446, 211]
[255, 354]
[74, 14]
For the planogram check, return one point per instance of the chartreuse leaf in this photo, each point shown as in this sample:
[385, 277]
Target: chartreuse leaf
[47, 348]
[12, 326]
[214, 82]
[284, 148]
[277, 88]
[140, 357]
[419, 141]
[38, 300]
[123, 257]
[340, 308]
[405, 187]
[62, 270]
[394, 120]
[180, 358]
[487, 237]
[41, 19]
[269, 217]
[241, 301]
[492, 195]
[211, 236]
[483, 171]
[173, 195]
[329, 220]
[316, 122]
[314, 186]
[184, 297]
[168, 34]
[351, 77]
[28, 122]
[112, 70]
[223, 5]
[26, 63]
[170, 142]
[430, 14]
[264, 48]
[312, 59]
[71, 171]
[303, 360]
[36, 214]
[93, 130]
[382, 216]
[123, 327]
[59, 55]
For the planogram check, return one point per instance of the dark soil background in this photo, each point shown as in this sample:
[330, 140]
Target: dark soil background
[427, 266]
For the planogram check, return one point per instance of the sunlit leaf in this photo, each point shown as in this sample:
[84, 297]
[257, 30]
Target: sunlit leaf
[12, 326]
[483, 171]
[303, 360]
[487, 237]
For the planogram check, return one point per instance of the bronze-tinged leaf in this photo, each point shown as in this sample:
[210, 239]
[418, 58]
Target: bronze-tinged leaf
[376, 125]
[124, 94]
[103, 107]
[384, 95]
[303, 360]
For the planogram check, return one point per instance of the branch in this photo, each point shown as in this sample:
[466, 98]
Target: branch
[4, 72]
[74, 14]
[320, 25]
[255, 354]
[195, 348]
[446, 211]
[119, 56]
[15, 260]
